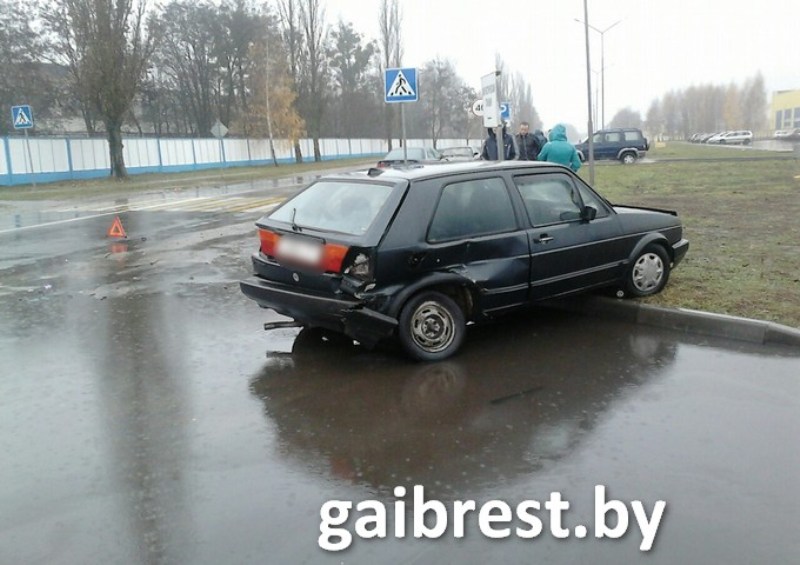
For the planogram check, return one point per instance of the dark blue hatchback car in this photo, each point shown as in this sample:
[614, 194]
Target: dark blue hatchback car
[418, 252]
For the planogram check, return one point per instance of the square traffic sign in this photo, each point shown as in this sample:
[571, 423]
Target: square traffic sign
[22, 117]
[400, 85]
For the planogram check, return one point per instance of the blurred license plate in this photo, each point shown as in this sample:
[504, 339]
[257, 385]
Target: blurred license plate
[302, 250]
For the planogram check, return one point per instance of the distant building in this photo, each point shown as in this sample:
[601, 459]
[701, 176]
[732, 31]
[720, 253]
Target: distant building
[785, 110]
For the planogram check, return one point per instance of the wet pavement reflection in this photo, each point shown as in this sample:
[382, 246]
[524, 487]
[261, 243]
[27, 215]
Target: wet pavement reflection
[490, 415]
[146, 418]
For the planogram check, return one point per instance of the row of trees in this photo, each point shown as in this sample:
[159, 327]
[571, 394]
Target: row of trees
[706, 108]
[278, 70]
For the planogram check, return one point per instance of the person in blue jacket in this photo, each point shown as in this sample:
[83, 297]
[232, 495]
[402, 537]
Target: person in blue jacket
[559, 150]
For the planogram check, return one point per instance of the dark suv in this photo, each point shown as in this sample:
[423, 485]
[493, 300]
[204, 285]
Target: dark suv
[621, 144]
[419, 252]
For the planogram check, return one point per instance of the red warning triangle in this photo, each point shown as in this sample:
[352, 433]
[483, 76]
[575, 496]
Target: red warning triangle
[116, 229]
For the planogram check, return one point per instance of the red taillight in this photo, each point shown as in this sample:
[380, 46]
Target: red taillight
[269, 242]
[332, 257]
[333, 254]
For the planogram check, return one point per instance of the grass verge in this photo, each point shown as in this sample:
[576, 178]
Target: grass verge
[741, 218]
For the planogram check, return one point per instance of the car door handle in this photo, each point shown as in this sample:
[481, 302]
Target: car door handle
[544, 238]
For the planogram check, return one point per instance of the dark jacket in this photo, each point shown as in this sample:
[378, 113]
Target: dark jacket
[489, 152]
[559, 150]
[528, 146]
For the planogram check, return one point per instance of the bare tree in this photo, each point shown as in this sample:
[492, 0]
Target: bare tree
[315, 80]
[391, 46]
[655, 120]
[626, 118]
[292, 33]
[108, 47]
[350, 65]
[184, 59]
[754, 103]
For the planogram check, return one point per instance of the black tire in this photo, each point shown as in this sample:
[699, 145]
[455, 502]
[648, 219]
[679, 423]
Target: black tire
[432, 326]
[649, 272]
[628, 158]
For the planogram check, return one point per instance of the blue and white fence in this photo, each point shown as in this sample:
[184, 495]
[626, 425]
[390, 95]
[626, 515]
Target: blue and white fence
[55, 159]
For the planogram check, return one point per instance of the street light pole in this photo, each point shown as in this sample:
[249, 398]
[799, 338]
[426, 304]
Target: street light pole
[602, 33]
[589, 92]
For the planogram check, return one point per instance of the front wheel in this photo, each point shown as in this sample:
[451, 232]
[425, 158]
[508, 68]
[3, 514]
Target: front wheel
[432, 326]
[649, 273]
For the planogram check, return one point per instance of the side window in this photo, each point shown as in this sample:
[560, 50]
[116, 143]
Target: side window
[590, 199]
[632, 136]
[475, 207]
[549, 198]
[597, 138]
[614, 137]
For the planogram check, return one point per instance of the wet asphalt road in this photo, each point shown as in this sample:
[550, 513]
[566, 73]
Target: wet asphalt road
[146, 418]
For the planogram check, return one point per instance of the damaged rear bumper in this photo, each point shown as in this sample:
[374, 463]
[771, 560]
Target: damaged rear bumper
[346, 315]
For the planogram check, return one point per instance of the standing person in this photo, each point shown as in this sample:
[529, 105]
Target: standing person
[489, 152]
[559, 150]
[527, 144]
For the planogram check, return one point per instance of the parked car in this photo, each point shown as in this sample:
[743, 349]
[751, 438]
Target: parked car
[788, 134]
[464, 153]
[736, 137]
[622, 144]
[419, 252]
[415, 155]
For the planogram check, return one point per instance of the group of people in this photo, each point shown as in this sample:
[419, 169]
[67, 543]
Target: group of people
[527, 146]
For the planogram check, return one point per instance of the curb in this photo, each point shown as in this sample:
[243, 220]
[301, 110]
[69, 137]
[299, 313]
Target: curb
[681, 319]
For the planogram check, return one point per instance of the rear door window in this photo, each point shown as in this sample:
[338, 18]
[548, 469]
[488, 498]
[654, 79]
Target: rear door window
[470, 208]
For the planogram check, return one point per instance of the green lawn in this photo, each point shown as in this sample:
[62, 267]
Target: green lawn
[742, 219]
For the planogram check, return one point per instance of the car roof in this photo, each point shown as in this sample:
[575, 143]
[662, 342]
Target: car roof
[420, 172]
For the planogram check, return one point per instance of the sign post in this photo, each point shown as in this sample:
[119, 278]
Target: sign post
[219, 131]
[22, 118]
[400, 85]
[491, 110]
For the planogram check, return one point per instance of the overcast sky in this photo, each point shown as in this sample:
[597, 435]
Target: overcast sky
[658, 45]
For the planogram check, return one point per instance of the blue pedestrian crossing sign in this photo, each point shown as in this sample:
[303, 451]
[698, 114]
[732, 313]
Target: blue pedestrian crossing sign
[401, 85]
[22, 117]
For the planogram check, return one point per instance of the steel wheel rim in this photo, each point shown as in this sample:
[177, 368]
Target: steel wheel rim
[432, 327]
[648, 272]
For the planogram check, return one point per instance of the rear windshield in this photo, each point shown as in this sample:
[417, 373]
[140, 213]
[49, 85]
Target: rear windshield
[343, 207]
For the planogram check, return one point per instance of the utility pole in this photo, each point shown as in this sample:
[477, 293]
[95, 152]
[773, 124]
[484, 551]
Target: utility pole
[589, 91]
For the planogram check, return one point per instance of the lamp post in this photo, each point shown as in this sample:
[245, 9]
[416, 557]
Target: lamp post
[589, 92]
[602, 33]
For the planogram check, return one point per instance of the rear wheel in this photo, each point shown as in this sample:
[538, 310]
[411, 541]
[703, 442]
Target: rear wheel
[649, 273]
[628, 158]
[432, 326]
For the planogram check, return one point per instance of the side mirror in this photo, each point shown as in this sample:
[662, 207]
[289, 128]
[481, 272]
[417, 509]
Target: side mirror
[589, 213]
